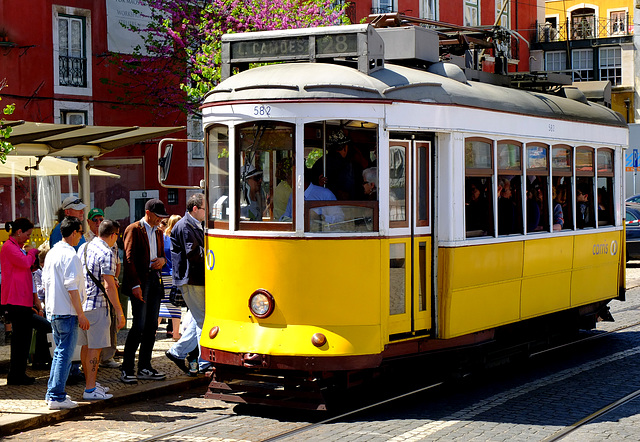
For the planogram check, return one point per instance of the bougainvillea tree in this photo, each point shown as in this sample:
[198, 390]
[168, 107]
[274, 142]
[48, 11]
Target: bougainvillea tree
[180, 59]
[5, 131]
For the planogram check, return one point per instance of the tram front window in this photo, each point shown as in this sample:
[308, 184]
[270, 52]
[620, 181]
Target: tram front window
[218, 142]
[341, 177]
[265, 171]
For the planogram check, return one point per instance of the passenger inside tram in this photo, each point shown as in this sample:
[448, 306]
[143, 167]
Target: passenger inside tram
[478, 208]
[584, 217]
[343, 173]
[315, 192]
[506, 208]
[558, 213]
[370, 183]
[253, 200]
[283, 189]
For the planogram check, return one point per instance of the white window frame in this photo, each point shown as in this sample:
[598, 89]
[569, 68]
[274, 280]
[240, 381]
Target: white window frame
[553, 54]
[574, 68]
[379, 4]
[69, 90]
[505, 18]
[607, 50]
[624, 11]
[430, 9]
[472, 11]
[71, 106]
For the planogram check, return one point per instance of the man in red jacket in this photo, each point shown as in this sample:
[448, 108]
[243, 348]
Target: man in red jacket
[143, 259]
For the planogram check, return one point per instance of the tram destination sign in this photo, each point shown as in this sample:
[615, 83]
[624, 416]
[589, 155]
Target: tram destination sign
[360, 43]
[290, 48]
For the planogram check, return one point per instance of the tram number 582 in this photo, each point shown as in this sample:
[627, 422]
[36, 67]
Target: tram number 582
[262, 111]
[552, 127]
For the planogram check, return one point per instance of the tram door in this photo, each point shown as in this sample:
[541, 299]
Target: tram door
[410, 239]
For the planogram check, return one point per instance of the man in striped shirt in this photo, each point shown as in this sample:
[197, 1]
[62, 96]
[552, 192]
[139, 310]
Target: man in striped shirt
[99, 266]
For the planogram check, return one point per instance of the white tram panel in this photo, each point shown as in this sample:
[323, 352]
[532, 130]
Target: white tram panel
[488, 123]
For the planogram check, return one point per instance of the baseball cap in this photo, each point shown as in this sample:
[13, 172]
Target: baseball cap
[249, 170]
[156, 207]
[95, 212]
[72, 202]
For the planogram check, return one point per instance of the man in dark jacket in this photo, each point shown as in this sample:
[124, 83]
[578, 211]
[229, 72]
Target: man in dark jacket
[143, 259]
[187, 257]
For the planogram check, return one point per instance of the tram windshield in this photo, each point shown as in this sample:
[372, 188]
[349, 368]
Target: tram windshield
[341, 177]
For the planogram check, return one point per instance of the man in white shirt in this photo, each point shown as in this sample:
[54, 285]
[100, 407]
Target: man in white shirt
[63, 280]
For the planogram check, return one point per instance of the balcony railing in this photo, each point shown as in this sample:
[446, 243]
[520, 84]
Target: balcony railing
[73, 71]
[584, 28]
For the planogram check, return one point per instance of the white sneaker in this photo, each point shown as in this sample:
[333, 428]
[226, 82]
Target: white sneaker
[102, 387]
[57, 405]
[96, 395]
[109, 363]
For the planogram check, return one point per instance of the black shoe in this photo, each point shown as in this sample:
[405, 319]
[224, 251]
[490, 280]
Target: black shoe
[75, 379]
[179, 362]
[150, 373]
[20, 380]
[128, 377]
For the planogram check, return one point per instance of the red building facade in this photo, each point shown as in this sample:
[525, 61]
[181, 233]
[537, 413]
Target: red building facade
[58, 62]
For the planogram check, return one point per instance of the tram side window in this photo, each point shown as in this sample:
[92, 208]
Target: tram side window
[478, 187]
[265, 164]
[341, 177]
[537, 188]
[218, 143]
[585, 212]
[605, 187]
[398, 183]
[562, 202]
[509, 188]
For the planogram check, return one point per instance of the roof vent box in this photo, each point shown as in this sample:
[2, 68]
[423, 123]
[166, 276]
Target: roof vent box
[410, 43]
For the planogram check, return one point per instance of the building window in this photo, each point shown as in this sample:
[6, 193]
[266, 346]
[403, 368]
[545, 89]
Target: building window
[68, 116]
[383, 6]
[582, 65]
[172, 196]
[502, 16]
[471, 13]
[72, 55]
[430, 9]
[583, 24]
[611, 65]
[555, 61]
[618, 23]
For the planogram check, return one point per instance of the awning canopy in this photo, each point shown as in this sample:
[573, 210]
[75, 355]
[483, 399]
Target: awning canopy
[65, 140]
[47, 166]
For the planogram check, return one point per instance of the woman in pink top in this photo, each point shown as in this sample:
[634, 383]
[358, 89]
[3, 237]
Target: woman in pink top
[18, 297]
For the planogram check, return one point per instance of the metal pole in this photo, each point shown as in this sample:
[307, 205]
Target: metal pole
[435, 308]
[84, 191]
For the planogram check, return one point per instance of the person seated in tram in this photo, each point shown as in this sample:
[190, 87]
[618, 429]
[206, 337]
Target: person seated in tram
[603, 207]
[252, 198]
[506, 208]
[370, 183]
[477, 209]
[342, 174]
[583, 212]
[533, 210]
[558, 213]
[314, 192]
[283, 190]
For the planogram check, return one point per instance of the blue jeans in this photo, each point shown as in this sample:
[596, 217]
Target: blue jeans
[65, 336]
[187, 342]
[194, 297]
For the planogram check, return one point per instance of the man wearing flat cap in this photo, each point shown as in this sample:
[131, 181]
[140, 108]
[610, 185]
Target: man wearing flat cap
[143, 259]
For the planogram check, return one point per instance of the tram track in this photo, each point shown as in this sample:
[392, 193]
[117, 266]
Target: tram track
[559, 435]
[313, 425]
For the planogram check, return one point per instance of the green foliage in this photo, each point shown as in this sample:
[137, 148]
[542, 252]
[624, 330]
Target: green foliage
[5, 131]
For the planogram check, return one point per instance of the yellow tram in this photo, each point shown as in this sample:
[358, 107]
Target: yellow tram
[460, 208]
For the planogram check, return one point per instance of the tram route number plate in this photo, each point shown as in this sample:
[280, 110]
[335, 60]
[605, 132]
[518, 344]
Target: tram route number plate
[294, 47]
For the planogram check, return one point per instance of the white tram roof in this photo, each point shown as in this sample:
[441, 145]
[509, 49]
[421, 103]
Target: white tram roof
[444, 83]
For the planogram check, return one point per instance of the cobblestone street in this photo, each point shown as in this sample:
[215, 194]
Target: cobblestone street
[515, 403]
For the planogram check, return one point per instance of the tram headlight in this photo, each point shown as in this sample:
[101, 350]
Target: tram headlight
[261, 303]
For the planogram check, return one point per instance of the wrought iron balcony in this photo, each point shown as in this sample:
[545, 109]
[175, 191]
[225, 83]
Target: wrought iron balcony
[73, 71]
[585, 27]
